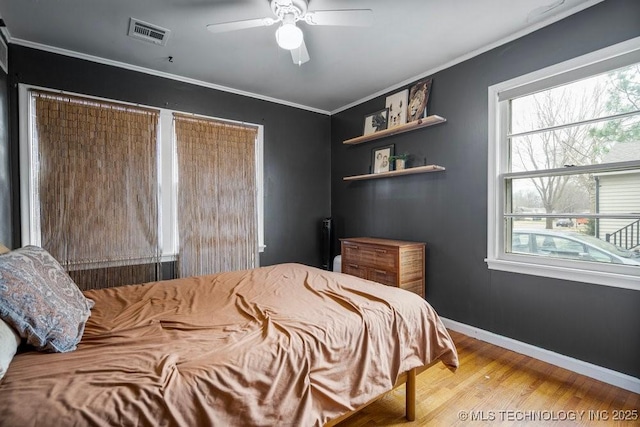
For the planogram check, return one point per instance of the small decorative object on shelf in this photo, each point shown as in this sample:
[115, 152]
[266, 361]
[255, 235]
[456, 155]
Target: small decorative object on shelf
[376, 122]
[418, 99]
[381, 159]
[397, 105]
[400, 160]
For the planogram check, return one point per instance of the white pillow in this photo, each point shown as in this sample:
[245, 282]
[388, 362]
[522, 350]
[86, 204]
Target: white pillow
[9, 342]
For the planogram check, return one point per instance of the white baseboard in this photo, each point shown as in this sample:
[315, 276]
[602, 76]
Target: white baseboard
[599, 373]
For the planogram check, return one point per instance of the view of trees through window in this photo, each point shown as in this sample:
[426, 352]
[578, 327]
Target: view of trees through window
[561, 141]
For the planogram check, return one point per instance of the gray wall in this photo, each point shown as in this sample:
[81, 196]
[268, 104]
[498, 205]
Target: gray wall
[597, 324]
[447, 210]
[5, 176]
[297, 185]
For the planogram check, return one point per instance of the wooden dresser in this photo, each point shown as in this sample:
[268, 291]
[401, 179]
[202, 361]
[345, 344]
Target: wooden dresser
[390, 262]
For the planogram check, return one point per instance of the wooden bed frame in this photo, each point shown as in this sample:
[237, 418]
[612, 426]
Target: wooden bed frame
[408, 378]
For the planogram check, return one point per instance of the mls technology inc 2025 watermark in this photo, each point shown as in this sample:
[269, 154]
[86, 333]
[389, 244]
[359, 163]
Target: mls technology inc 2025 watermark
[549, 416]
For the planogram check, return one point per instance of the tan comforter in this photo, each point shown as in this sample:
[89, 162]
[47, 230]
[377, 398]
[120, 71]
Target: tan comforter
[285, 345]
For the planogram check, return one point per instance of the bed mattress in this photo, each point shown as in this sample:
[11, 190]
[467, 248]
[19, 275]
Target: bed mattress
[280, 345]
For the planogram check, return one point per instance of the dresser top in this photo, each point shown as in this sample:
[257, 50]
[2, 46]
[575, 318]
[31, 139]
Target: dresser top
[377, 241]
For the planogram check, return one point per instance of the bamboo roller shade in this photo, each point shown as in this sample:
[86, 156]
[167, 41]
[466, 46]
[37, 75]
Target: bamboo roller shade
[97, 180]
[217, 215]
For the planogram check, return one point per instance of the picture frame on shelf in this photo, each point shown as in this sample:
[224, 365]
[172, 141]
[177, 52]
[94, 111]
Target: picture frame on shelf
[418, 99]
[375, 122]
[381, 158]
[397, 105]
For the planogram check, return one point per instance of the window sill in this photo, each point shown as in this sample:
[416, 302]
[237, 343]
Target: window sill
[606, 278]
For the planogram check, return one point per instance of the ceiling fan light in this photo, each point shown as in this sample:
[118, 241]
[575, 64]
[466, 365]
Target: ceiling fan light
[289, 36]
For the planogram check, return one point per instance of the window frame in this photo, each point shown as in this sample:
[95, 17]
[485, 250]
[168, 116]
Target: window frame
[167, 176]
[603, 60]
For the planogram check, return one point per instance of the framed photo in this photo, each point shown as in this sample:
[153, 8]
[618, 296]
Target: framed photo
[397, 105]
[376, 122]
[380, 159]
[418, 99]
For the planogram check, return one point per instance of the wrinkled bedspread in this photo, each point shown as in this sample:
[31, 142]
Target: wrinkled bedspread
[284, 345]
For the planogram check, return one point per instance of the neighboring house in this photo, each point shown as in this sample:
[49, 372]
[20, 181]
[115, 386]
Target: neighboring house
[619, 192]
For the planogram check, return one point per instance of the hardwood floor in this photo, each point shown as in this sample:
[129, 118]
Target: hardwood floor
[494, 386]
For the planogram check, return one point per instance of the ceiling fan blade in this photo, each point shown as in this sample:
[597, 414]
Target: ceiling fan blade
[223, 27]
[300, 55]
[347, 17]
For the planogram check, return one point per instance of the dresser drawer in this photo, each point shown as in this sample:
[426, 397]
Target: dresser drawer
[371, 256]
[351, 253]
[354, 269]
[379, 257]
[388, 278]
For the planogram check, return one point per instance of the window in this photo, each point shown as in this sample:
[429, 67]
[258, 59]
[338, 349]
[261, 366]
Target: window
[217, 214]
[99, 184]
[564, 170]
[80, 146]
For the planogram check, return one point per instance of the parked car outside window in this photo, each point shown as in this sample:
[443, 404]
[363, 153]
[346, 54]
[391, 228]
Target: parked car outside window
[570, 245]
[564, 222]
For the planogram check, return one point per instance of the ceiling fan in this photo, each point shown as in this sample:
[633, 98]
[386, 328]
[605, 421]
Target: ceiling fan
[288, 13]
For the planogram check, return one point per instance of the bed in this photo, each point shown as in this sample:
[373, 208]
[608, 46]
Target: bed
[286, 345]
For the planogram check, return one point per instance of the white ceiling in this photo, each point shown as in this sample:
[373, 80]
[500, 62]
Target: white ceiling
[408, 40]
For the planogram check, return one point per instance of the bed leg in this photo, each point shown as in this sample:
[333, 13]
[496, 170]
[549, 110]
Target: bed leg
[411, 395]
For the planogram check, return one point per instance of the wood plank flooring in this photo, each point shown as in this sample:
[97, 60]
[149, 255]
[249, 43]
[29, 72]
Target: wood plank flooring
[494, 386]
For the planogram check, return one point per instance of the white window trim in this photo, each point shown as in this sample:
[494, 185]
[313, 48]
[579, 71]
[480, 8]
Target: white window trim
[168, 168]
[619, 276]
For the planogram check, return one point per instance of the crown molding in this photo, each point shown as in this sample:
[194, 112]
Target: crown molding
[104, 61]
[100, 60]
[472, 54]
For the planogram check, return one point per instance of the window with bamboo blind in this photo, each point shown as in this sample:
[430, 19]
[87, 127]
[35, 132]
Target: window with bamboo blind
[117, 201]
[217, 216]
[96, 187]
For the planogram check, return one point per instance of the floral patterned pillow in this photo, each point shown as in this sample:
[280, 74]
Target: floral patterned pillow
[40, 301]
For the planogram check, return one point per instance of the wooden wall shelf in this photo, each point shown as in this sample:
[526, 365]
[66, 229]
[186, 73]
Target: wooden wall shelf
[408, 171]
[417, 124]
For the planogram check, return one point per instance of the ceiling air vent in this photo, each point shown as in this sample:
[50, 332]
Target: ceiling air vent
[148, 32]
